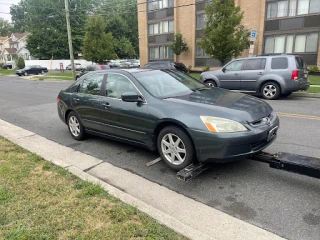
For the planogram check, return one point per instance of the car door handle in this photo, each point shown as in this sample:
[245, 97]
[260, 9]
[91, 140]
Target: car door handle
[236, 74]
[260, 73]
[76, 99]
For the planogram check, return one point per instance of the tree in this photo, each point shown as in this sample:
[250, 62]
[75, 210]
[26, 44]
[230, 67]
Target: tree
[5, 27]
[46, 22]
[20, 62]
[97, 45]
[224, 36]
[179, 46]
[122, 21]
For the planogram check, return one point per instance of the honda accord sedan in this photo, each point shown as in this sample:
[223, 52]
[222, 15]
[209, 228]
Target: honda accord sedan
[168, 111]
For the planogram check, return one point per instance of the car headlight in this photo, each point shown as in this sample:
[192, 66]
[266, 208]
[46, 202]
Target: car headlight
[215, 124]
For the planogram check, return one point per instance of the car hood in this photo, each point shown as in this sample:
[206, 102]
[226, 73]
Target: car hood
[226, 104]
[21, 70]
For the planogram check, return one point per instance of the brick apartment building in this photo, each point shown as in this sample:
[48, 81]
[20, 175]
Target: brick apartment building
[283, 26]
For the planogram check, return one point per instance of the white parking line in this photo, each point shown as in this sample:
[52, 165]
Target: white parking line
[154, 162]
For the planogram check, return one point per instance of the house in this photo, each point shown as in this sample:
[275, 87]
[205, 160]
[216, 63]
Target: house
[14, 45]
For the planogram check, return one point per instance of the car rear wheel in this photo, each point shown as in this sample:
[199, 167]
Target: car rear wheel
[175, 148]
[75, 127]
[42, 72]
[270, 91]
[211, 83]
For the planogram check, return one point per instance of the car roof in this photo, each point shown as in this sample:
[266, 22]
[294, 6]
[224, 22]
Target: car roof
[267, 56]
[131, 70]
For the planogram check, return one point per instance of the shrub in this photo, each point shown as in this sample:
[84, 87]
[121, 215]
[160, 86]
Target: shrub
[206, 68]
[1, 65]
[20, 62]
[313, 69]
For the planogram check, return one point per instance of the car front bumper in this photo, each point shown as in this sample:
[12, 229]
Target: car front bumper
[227, 147]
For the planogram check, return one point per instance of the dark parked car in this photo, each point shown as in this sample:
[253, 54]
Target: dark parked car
[7, 66]
[35, 69]
[169, 111]
[91, 68]
[272, 76]
[166, 65]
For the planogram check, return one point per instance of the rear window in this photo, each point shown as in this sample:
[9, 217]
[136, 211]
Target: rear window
[279, 63]
[300, 63]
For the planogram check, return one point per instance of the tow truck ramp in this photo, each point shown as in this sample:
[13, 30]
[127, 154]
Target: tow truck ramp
[294, 163]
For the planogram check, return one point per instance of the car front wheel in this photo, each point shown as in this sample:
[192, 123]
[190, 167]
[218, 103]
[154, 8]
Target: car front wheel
[26, 74]
[75, 127]
[270, 91]
[211, 83]
[175, 148]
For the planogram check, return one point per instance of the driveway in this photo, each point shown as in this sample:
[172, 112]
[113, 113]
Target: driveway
[284, 203]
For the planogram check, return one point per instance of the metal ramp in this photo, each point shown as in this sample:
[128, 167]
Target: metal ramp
[294, 163]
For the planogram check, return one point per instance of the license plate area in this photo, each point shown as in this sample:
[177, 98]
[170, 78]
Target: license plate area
[272, 133]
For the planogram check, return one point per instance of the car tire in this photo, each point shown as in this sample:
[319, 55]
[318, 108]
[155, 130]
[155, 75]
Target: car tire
[169, 151]
[286, 94]
[211, 83]
[75, 126]
[270, 91]
[42, 72]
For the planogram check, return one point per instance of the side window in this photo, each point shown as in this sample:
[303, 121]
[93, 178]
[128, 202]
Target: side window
[279, 63]
[92, 84]
[255, 64]
[118, 84]
[235, 66]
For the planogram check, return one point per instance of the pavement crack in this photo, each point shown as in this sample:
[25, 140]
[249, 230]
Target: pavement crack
[88, 169]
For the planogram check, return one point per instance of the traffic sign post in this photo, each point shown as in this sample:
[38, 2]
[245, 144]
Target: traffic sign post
[253, 35]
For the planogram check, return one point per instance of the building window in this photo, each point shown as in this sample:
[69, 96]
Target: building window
[299, 43]
[201, 21]
[290, 8]
[161, 4]
[160, 52]
[161, 27]
[200, 52]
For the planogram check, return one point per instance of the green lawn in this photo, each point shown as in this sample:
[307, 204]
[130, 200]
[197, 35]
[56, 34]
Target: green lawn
[314, 80]
[195, 75]
[55, 76]
[41, 201]
[7, 71]
[313, 90]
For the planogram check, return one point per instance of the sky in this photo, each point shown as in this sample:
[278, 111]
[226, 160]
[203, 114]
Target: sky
[6, 8]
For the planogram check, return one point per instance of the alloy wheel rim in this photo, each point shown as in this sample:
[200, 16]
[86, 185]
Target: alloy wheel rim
[173, 149]
[270, 91]
[74, 126]
[210, 84]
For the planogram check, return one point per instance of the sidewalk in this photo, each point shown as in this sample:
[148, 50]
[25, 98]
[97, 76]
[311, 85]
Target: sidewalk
[184, 215]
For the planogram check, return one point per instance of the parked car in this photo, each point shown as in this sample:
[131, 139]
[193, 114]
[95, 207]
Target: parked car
[77, 66]
[272, 76]
[7, 66]
[166, 65]
[91, 68]
[35, 69]
[184, 119]
[113, 64]
[135, 63]
[125, 63]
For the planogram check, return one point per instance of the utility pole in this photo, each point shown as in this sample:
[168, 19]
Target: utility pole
[66, 3]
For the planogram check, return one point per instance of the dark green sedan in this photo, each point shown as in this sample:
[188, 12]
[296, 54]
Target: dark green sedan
[168, 111]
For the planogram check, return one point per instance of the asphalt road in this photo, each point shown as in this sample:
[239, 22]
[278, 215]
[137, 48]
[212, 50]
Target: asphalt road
[284, 203]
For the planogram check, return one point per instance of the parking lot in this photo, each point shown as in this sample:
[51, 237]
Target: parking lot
[284, 203]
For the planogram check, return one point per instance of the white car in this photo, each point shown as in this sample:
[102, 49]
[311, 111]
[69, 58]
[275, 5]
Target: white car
[125, 63]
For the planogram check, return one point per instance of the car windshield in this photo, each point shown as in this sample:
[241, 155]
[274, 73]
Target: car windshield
[166, 84]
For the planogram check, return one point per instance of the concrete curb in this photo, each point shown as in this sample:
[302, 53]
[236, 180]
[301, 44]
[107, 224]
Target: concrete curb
[182, 214]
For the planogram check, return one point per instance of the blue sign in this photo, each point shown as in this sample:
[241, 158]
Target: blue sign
[253, 35]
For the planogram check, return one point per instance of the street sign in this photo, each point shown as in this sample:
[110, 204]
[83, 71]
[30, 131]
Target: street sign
[253, 35]
[251, 50]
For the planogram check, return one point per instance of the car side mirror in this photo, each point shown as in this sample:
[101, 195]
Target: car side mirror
[224, 69]
[131, 97]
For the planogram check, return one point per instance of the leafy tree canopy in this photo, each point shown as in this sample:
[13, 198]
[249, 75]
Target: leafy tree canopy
[5, 27]
[179, 45]
[97, 45]
[224, 36]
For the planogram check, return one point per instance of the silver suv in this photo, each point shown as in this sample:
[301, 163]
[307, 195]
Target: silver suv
[272, 76]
